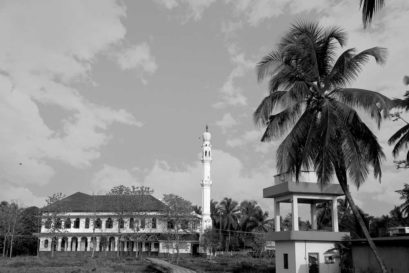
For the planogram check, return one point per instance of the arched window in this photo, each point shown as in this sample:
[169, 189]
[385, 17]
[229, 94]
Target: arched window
[98, 223]
[46, 243]
[67, 223]
[108, 223]
[205, 153]
[209, 153]
[121, 223]
[153, 222]
[131, 223]
[77, 223]
[47, 223]
[143, 222]
[58, 223]
[86, 222]
[194, 225]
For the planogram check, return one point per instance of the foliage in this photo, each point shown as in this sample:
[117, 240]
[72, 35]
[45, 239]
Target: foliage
[326, 133]
[404, 195]
[369, 9]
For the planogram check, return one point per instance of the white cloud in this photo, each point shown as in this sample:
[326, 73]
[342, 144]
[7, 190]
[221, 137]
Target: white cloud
[110, 176]
[137, 57]
[195, 8]
[246, 138]
[21, 195]
[47, 48]
[230, 91]
[226, 122]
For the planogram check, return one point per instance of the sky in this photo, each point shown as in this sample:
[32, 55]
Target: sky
[94, 94]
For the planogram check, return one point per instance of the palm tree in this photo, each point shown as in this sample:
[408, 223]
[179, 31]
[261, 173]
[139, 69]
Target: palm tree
[401, 137]
[229, 211]
[252, 217]
[369, 8]
[327, 133]
[404, 195]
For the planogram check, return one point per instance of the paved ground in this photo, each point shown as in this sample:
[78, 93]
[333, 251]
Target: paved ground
[168, 266]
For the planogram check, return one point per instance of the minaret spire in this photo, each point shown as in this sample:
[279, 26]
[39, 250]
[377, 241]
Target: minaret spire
[206, 182]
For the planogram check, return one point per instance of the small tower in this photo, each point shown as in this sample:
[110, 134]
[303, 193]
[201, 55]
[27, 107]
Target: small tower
[206, 182]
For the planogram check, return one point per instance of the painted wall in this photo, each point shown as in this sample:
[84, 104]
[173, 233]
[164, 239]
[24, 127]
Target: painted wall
[170, 247]
[396, 258]
[298, 256]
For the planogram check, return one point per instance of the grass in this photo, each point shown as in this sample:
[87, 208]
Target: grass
[231, 264]
[30, 264]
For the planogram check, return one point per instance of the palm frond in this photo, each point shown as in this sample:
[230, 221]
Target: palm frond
[266, 107]
[327, 48]
[397, 135]
[348, 66]
[376, 104]
[402, 143]
[369, 8]
[278, 124]
[268, 64]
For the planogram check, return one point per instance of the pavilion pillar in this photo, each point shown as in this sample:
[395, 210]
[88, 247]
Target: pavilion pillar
[334, 214]
[88, 248]
[277, 218]
[125, 245]
[69, 244]
[314, 225]
[294, 210]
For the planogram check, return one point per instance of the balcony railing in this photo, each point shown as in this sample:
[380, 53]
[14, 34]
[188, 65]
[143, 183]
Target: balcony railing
[305, 176]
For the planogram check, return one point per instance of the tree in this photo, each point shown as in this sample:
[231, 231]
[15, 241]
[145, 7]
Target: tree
[229, 211]
[326, 133]
[401, 137]
[369, 9]
[404, 195]
[210, 241]
[53, 212]
[178, 212]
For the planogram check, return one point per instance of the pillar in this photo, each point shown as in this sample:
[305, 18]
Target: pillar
[97, 246]
[314, 216]
[277, 218]
[88, 248]
[294, 210]
[69, 244]
[59, 243]
[125, 245]
[334, 214]
[116, 243]
[135, 245]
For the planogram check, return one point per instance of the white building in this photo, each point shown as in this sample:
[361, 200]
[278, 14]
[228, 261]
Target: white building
[299, 251]
[125, 223]
[108, 223]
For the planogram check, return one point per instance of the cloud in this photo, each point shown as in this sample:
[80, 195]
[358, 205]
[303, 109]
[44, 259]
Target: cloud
[137, 57]
[42, 65]
[110, 176]
[232, 93]
[21, 195]
[195, 8]
[226, 122]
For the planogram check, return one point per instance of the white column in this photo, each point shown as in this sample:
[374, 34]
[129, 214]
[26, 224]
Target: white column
[334, 214]
[314, 216]
[135, 245]
[125, 245]
[59, 243]
[294, 210]
[116, 243]
[277, 218]
[69, 244]
[88, 248]
[98, 239]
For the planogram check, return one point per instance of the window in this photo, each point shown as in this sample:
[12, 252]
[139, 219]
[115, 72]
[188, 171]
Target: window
[77, 223]
[121, 223]
[131, 223]
[194, 225]
[153, 222]
[86, 222]
[171, 224]
[98, 223]
[143, 222]
[67, 223]
[285, 261]
[47, 223]
[58, 223]
[46, 243]
[109, 223]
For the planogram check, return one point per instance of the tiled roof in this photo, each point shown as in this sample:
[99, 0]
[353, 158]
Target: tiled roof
[81, 202]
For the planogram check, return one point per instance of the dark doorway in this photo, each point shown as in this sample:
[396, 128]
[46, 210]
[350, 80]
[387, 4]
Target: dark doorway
[313, 263]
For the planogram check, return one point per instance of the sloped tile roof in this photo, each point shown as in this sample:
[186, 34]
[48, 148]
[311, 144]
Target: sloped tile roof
[81, 202]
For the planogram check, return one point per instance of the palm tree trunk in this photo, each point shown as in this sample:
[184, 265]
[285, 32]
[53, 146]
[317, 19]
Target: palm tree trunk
[361, 222]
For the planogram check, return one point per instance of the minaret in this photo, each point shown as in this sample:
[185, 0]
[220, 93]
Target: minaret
[206, 182]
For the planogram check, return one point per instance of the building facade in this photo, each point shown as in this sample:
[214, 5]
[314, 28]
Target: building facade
[107, 223]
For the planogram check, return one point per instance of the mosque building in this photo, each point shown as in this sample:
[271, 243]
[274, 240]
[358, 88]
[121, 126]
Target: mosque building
[138, 224]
